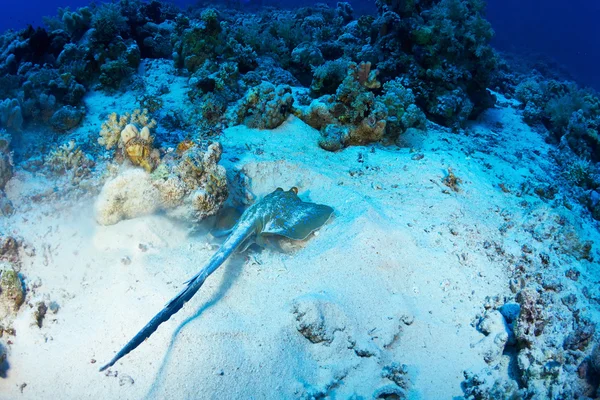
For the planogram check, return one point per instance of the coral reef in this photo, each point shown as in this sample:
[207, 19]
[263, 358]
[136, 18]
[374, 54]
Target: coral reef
[137, 146]
[69, 159]
[190, 186]
[11, 116]
[571, 114]
[110, 134]
[440, 48]
[355, 115]
[265, 106]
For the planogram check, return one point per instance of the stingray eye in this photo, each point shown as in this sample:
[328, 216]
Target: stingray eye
[294, 189]
[279, 190]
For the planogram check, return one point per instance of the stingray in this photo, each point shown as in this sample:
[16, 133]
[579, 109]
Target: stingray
[280, 214]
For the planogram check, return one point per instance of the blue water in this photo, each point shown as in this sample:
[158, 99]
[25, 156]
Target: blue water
[567, 32]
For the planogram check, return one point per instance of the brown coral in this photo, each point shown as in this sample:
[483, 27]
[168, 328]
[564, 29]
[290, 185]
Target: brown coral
[110, 135]
[137, 146]
[365, 76]
[452, 181]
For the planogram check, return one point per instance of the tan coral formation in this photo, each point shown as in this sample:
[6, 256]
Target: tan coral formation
[130, 133]
[137, 146]
[69, 158]
[110, 134]
[190, 186]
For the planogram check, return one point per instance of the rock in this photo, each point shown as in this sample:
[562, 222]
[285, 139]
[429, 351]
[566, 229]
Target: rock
[40, 313]
[66, 118]
[9, 248]
[3, 362]
[12, 293]
[6, 207]
[498, 335]
[5, 169]
[318, 319]
[595, 358]
[125, 379]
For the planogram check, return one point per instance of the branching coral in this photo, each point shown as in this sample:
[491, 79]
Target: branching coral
[108, 22]
[365, 75]
[130, 133]
[69, 159]
[328, 76]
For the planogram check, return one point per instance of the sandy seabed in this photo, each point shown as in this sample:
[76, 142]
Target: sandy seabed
[385, 296]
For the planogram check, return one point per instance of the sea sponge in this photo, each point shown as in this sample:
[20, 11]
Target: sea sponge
[129, 195]
[187, 186]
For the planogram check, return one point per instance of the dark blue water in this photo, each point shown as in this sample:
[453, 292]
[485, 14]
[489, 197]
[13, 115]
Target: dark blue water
[567, 32]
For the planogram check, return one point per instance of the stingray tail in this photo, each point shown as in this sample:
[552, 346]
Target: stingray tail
[193, 285]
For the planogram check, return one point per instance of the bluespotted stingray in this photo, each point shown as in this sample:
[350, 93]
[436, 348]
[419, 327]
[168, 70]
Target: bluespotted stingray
[279, 214]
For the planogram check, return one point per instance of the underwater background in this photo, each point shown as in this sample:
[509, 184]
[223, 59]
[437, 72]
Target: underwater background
[565, 32]
[389, 199]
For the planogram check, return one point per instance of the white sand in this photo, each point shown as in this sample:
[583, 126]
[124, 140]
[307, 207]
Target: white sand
[398, 275]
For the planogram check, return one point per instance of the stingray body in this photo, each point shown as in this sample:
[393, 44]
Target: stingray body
[279, 214]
